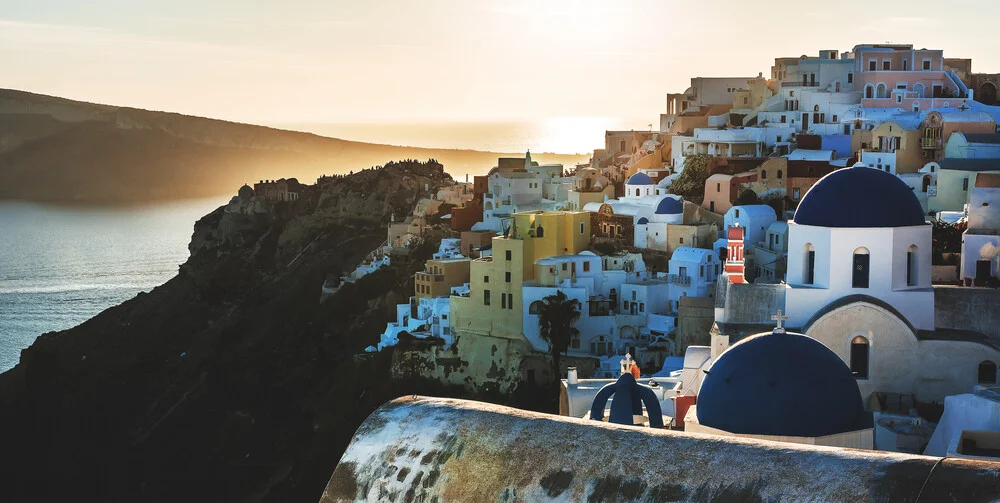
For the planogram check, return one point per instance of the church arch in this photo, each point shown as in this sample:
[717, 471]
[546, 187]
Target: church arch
[987, 93]
[987, 372]
[860, 353]
[534, 307]
[860, 273]
[809, 264]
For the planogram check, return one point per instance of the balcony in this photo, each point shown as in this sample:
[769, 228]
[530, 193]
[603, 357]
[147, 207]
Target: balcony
[930, 143]
[678, 279]
[798, 83]
[430, 278]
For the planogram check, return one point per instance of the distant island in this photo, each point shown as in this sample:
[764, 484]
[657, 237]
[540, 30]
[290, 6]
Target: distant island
[59, 150]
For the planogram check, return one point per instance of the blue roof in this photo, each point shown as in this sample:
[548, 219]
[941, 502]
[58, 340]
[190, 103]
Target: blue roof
[781, 384]
[839, 143]
[860, 197]
[639, 179]
[669, 206]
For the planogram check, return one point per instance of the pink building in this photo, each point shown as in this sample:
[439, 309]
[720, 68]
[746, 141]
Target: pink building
[899, 76]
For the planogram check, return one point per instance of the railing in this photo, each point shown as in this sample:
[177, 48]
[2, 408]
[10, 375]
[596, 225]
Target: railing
[677, 279]
[930, 143]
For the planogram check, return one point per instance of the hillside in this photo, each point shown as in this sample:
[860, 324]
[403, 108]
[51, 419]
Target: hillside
[230, 382]
[55, 149]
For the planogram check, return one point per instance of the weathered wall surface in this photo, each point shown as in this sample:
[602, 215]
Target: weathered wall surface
[748, 303]
[482, 363]
[428, 449]
[967, 308]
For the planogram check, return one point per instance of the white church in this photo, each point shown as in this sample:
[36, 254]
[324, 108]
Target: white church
[859, 281]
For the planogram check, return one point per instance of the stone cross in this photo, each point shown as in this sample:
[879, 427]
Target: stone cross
[779, 318]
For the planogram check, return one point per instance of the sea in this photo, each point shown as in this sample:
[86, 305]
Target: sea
[61, 265]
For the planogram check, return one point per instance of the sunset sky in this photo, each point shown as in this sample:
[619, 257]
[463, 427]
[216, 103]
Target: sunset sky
[431, 60]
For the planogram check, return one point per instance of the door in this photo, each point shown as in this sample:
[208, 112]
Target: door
[982, 270]
[805, 121]
[860, 279]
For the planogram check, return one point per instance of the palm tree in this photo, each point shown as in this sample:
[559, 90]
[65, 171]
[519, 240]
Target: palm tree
[556, 317]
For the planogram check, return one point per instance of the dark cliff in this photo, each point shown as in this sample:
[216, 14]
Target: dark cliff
[230, 382]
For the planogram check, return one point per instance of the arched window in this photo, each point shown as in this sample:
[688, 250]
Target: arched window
[987, 372]
[869, 91]
[815, 108]
[860, 272]
[780, 174]
[911, 266]
[534, 307]
[859, 357]
[919, 90]
[763, 174]
[539, 232]
[880, 91]
[636, 192]
[809, 264]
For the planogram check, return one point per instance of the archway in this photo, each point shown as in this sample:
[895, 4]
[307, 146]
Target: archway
[987, 93]
[880, 91]
[919, 90]
[859, 357]
[987, 372]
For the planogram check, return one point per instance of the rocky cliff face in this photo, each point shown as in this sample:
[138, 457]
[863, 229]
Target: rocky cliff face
[230, 382]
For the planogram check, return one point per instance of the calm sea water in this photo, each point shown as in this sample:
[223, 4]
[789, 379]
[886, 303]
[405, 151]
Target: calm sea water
[60, 265]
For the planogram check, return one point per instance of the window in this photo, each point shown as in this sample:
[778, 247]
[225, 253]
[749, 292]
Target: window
[586, 267]
[965, 184]
[744, 100]
[718, 187]
[911, 266]
[859, 276]
[859, 357]
[701, 271]
[927, 64]
[581, 228]
[565, 267]
[987, 372]
[871, 66]
[850, 78]
[783, 118]
[503, 300]
[737, 210]
[899, 98]
[642, 307]
[795, 193]
[835, 119]
[791, 94]
[507, 255]
[486, 297]
[636, 192]
[886, 65]
[539, 232]
[869, 91]
[778, 139]
[682, 240]
[534, 307]
[780, 174]
[507, 276]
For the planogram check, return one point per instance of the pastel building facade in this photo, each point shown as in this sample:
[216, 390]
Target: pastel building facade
[900, 77]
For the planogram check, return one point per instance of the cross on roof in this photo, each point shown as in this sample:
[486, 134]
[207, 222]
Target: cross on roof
[779, 318]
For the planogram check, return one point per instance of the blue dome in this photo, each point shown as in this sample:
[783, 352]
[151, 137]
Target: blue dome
[639, 179]
[860, 197]
[669, 206]
[781, 384]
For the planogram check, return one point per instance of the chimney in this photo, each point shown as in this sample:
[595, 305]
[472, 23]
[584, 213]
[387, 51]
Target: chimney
[571, 376]
[734, 258]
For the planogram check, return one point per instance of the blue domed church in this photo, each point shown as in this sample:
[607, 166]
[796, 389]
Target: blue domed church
[859, 282]
[782, 386]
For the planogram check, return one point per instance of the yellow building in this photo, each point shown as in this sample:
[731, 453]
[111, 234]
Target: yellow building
[894, 148]
[493, 306]
[439, 276]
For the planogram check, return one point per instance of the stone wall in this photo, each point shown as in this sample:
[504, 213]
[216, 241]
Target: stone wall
[748, 303]
[694, 321]
[968, 308]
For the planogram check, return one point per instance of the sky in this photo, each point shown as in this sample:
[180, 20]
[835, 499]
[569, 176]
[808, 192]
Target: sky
[336, 61]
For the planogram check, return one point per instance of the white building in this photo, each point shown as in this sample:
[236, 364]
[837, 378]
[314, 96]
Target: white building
[981, 240]
[423, 318]
[859, 281]
[755, 218]
[693, 272]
